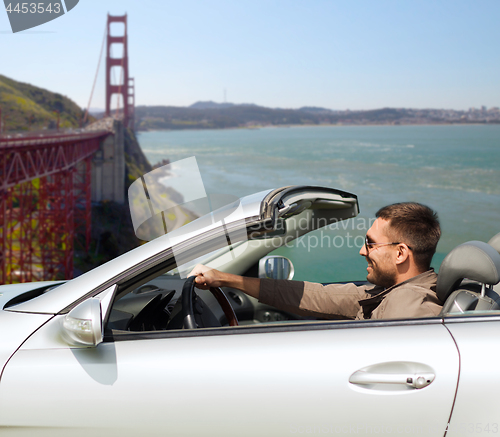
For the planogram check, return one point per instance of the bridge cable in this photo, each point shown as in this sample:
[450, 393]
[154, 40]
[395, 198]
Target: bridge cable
[122, 74]
[115, 82]
[96, 73]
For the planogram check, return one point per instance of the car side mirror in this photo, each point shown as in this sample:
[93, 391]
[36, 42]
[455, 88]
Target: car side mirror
[82, 326]
[276, 267]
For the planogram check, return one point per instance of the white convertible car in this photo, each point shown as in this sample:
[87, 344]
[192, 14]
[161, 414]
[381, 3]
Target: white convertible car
[130, 349]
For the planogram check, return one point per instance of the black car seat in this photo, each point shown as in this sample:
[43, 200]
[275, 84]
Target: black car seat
[466, 277]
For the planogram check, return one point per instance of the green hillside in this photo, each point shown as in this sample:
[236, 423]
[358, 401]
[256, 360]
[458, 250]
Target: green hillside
[27, 107]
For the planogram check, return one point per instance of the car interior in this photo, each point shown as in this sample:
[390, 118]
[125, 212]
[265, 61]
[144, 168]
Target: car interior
[157, 305]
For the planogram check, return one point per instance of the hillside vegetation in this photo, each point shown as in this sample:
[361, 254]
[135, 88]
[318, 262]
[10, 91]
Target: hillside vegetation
[27, 107]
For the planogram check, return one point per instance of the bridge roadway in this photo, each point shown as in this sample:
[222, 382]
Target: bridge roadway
[26, 156]
[45, 198]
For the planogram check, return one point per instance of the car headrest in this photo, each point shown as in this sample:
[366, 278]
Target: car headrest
[495, 242]
[474, 260]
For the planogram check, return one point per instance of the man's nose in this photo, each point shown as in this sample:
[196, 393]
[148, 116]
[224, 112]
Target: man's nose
[363, 251]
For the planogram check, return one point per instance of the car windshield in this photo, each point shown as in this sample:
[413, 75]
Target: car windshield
[214, 259]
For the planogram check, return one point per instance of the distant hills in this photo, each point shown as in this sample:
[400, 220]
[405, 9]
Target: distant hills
[27, 107]
[316, 109]
[212, 115]
[209, 115]
[213, 105]
[210, 105]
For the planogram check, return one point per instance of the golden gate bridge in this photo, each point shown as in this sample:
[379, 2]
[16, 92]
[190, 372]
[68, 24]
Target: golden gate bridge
[46, 184]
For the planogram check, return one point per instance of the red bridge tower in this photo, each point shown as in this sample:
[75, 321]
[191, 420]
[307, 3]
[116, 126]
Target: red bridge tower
[122, 86]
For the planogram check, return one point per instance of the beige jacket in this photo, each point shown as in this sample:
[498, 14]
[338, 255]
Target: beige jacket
[415, 297]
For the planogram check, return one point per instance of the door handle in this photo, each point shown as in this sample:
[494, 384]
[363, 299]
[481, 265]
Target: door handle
[415, 380]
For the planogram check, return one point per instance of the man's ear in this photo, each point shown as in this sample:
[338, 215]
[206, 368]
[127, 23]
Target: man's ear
[402, 254]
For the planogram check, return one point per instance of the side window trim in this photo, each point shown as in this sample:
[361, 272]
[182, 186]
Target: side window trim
[267, 328]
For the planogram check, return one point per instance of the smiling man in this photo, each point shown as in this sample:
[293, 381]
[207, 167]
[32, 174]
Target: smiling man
[398, 249]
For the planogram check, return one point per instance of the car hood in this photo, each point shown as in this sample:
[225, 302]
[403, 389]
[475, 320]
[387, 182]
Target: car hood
[9, 292]
[258, 212]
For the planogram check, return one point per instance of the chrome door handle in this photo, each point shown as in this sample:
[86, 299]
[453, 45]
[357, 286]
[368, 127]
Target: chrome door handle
[415, 380]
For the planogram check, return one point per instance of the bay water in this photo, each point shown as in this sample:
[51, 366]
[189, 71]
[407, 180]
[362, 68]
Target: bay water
[454, 169]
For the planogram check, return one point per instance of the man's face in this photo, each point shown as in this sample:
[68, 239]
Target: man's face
[380, 257]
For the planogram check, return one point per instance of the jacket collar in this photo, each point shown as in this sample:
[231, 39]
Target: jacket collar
[426, 279]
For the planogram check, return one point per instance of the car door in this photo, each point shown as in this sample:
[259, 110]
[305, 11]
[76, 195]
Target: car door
[277, 379]
[476, 409]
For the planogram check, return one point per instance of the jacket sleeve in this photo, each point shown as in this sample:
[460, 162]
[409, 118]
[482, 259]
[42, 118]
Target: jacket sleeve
[409, 302]
[333, 301]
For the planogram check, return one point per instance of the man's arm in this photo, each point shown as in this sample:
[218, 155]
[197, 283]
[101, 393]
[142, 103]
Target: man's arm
[207, 277]
[330, 301]
[302, 298]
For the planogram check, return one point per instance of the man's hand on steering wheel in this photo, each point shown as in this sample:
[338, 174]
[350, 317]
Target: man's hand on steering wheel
[206, 277]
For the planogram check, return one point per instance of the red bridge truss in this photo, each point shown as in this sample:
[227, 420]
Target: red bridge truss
[45, 204]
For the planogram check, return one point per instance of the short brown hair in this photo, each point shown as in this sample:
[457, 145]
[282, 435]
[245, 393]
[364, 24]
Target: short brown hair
[417, 226]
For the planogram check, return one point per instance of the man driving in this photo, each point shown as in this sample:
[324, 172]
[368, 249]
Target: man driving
[398, 248]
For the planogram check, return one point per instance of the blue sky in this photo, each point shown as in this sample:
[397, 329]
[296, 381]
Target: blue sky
[349, 54]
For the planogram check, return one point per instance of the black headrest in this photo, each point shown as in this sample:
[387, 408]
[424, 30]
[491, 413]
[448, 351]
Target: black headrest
[474, 260]
[495, 242]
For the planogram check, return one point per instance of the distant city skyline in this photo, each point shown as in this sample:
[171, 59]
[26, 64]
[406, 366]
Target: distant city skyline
[356, 55]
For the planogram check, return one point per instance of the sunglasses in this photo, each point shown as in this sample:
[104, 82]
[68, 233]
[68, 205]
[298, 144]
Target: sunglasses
[369, 245]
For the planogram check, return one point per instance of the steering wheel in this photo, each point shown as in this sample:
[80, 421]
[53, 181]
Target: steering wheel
[188, 311]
